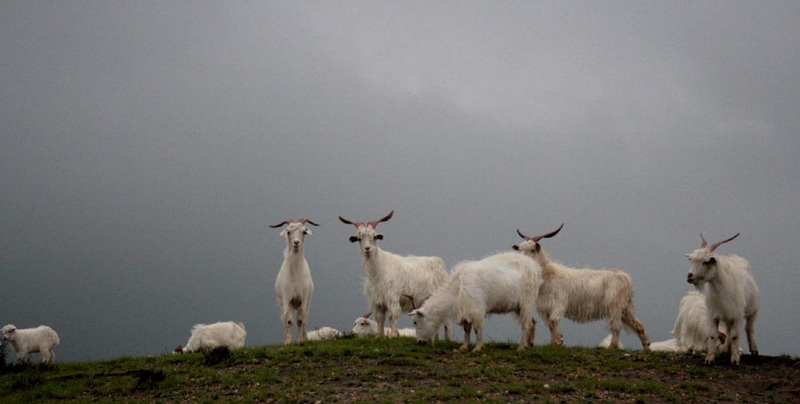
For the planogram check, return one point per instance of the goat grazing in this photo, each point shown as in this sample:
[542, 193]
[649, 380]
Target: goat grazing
[41, 339]
[324, 333]
[500, 283]
[294, 286]
[691, 328]
[364, 327]
[732, 296]
[391, 278]
[206, 337]
[582, 294]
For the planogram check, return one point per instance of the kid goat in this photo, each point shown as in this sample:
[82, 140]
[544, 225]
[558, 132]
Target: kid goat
[390, 277]
[582, 294]
[294, 286]
[732, 296]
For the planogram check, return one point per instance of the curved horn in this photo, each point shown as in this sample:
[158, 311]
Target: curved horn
[411, 298]
[522, 235]
[385, 218]
[357, 224]
[287, 221]
[548, 235]
[367, 315]
[307, 220]
[719, 243]
[704, 243]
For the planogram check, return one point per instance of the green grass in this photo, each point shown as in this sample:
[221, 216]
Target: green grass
[369, 370]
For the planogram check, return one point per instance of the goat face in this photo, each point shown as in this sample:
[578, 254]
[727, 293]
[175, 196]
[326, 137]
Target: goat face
[9, 332]
[367, 240]
[295, 234]
[426, 329]
[704, 265]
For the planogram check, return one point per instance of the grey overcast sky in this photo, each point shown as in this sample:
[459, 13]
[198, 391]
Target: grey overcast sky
[145, 146]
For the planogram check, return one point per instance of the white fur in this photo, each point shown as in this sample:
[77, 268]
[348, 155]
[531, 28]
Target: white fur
[606, 342]
[324, 333]
[391, 278]
[293, 286]
[691, 330]
[501, 283]
[41, 339]
[228, 334]
[583, 295]
[732, 298]
[365, 327]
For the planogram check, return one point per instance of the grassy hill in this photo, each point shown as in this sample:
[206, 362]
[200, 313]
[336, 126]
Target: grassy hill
[396, 370]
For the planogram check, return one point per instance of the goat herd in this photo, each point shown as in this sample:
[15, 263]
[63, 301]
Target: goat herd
[709, 319]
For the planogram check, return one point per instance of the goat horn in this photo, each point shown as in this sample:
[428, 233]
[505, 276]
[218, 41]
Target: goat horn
[385, 218]
[345, 221]
[367, 315]
[307, 220]
[522, 235]
[411, 298]
[548, 235]
[287, 221]
[704, 243]
[719, 243]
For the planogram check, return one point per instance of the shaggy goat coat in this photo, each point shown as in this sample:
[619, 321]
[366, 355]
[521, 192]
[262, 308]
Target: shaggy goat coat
[229, 334]
[41, 339]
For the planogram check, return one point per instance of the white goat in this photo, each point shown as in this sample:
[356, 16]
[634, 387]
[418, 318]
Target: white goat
[294, 286]
[732, 296]
[691, 328]
[41, 339]
[364, 327]
[390, 277]
[500, 283]
[324, 333]
[205, 337]
[582, 294]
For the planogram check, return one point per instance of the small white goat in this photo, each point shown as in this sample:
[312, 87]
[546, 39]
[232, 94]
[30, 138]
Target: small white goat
[294, 286]
[732, 296]
[41, 339]
[364, 327]
[390, 277]
[582, 294]
[691, 328]
[205, 337]
[501, 283]
[324, 333]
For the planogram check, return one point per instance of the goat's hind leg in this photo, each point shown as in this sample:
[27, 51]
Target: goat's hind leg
[631, 321]
[750, 329]
[467, 330]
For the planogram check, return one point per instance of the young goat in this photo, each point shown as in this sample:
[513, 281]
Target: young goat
[41, 339]
[500, 283]
[390, 277]
[582, 294]
[205, 337]
[732, 296]
[364, 327]
[294, 286]
[324, 333]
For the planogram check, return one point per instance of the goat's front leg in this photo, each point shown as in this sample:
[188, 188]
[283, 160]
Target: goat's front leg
[380, 318]
[394, 315]
[302, 321]
[711, 345]
[478, 326]
[288, 319]
[467, 330]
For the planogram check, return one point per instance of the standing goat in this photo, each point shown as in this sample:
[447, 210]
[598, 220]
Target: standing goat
[294, 286]
[732, 296]
[390, 277]
[582, 294]
[41, 339]
[500, 283]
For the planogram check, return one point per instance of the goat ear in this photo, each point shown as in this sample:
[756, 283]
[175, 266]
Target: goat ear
[515, 247]
[711, 261]
[379, 236]
[308, 232]
[284, 233]
[353, 239]
[537, 248]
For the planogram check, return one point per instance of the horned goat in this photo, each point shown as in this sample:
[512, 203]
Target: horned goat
[324, 333]
[582, 294]
[732, 296]
[365, 327]
[391, 277]
[500, 283]
[206, 337]
[691, 329]
[294, 286]
[41, 339]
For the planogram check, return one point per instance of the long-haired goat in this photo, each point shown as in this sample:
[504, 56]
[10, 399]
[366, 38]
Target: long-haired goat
[500, 283]
[324, 333]
[732, 296]
[391, 277]
[41, 339]
[205, 337]
[582, 294]
[294, 286]
[692, 328]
